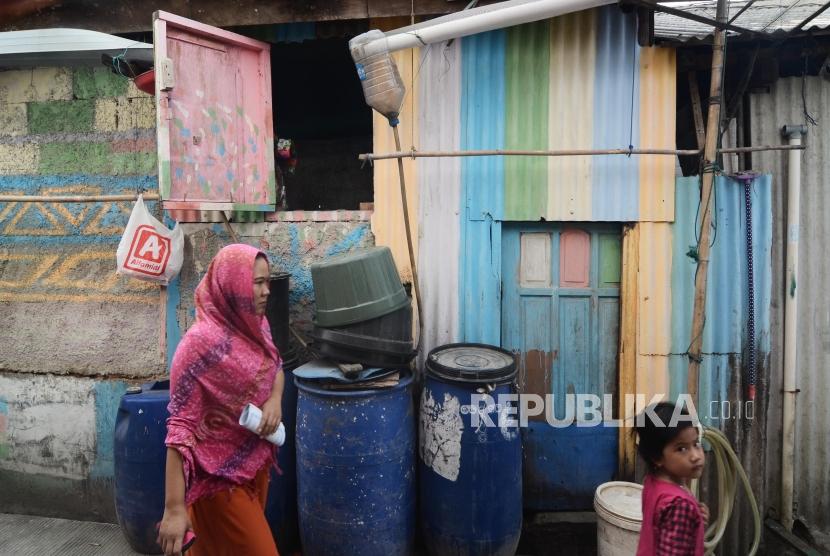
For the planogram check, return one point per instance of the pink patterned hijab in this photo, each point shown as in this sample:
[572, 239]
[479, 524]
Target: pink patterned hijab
[225, 360]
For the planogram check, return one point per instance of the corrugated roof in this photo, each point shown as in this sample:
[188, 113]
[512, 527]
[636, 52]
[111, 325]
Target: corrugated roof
[65, 47]
[766, 16]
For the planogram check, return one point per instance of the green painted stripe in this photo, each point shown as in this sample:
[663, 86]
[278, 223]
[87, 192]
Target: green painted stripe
[75, 158]
[97, 83]
[526, 120]
[62, 116]
[610, 260]
[143, 164]
[93, 158]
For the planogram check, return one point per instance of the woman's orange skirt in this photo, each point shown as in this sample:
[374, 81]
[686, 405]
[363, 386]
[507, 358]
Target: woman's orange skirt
[232, 523]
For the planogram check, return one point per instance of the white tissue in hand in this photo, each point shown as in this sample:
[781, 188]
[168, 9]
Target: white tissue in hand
[250, 418]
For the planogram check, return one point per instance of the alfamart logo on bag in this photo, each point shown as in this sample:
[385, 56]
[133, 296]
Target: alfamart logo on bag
[149, 252]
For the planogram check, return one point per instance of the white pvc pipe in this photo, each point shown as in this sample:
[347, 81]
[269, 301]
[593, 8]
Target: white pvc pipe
[793, 133]
[477, 20]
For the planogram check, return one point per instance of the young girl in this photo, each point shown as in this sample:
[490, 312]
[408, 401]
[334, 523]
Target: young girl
[673, 520]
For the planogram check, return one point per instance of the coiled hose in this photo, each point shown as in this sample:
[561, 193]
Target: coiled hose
[729, 469]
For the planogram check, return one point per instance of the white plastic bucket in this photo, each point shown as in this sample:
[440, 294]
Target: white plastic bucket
[619, 516]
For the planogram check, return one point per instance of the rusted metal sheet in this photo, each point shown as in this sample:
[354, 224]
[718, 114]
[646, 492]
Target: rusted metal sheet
[439, 189]
[214, 118]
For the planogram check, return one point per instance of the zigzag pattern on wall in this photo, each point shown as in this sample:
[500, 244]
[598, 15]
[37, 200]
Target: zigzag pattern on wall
[57, 275]
[63, 219]
[73, 223]
[65, 252]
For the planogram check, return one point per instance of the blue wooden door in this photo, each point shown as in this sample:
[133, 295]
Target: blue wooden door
[560, 315]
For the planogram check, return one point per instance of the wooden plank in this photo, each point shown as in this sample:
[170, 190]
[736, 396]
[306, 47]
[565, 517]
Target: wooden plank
[534, 262]
[124, 16]
[610, 267]
[694, 91]
[574, 258]
[628, 347]
[220, 146]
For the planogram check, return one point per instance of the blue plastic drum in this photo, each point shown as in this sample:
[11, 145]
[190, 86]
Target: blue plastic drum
[470, 452]
[140, 456]
[356, 470]
[281, 506]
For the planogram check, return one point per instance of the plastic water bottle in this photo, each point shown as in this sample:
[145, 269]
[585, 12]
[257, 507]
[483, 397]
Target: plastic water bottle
[382, 84]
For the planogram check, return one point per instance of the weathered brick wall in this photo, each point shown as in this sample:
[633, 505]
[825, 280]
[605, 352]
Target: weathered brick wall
[73, 333]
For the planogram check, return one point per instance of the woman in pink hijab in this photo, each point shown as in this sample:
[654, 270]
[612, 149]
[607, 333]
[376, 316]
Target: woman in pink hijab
[217, 471]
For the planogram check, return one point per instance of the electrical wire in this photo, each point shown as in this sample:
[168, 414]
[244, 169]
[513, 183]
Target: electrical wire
[810, 120]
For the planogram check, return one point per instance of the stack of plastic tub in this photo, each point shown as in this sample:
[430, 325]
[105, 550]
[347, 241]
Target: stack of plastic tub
[363, 312]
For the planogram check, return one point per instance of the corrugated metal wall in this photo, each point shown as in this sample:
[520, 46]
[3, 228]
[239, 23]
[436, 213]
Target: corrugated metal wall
[535, 86]
[387, 220]
[439, 186]
[654, 308]
[657, 129]
[573, 53]
[482, 185]
[724, 335]
[616, 187]
[783, 105]
[580, 82]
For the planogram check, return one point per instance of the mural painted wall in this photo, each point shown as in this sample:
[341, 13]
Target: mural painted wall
[291, 245]
[74, 333]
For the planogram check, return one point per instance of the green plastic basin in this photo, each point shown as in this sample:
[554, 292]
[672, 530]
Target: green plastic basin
[356, 286]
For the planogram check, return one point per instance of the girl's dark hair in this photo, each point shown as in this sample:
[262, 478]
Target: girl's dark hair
[654, 434]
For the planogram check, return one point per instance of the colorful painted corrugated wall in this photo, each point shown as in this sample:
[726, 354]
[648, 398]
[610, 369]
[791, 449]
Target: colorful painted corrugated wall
[579, 81]
[571, 82]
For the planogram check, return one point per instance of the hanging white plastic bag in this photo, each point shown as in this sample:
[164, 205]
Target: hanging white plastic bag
[148, 249]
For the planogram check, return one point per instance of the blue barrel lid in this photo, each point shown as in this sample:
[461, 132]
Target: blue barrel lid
[475, 363]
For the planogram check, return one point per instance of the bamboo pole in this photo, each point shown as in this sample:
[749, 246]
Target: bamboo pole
[74, 198]
[407, 227]
[707, 185]
[574, 152]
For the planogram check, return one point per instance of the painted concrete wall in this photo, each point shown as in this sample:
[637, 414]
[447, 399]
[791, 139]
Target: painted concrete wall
[292, 246]
[73, 332]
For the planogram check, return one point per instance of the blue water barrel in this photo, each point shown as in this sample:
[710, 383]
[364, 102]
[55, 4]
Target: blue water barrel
[356, 470]
[140, 455]
[281, 506]
[470, 473]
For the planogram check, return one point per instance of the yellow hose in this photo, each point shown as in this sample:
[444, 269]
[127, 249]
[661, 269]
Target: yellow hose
[729, 468]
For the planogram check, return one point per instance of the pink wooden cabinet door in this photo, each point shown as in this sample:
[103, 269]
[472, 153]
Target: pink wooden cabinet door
[214, 117]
